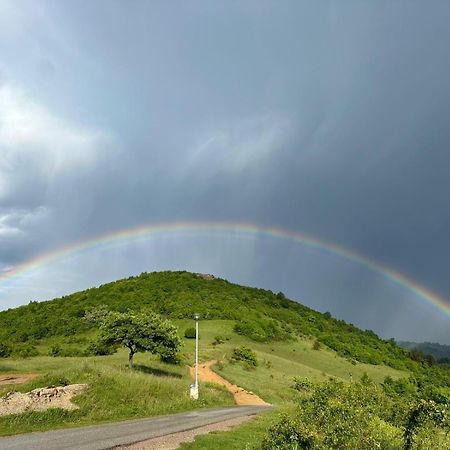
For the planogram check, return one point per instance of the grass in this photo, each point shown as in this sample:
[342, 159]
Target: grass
[154, 388]
[115, 393]
[279, 362]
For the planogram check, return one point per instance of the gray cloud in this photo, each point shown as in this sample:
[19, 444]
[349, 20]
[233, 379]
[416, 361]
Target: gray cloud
[325, 117]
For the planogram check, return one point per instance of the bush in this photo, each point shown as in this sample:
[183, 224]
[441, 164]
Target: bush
[5, 350]
[26, 351]
[55, 351]
[262, 330]
[302, 384]
[317, 345]
[334, 417]
[218, 340]
[99, 349]
[189, 333]
[245, 355]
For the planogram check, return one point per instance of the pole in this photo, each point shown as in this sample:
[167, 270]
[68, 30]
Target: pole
[196, 353]
[194, 387]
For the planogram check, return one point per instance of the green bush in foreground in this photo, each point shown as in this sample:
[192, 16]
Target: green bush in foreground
[360, 416]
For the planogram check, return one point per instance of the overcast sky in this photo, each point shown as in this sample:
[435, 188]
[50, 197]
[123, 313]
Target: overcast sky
[328, 118]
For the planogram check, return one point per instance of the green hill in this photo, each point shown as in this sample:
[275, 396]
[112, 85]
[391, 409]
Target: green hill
[259, 314]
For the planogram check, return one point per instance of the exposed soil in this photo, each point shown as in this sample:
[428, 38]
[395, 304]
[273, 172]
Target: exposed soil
[16, 378]
[40, 399]
[241, 396]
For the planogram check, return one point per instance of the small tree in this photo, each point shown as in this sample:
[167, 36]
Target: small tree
[140, 332]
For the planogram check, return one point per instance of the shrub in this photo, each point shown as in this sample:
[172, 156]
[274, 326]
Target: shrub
[5, 350]
[316, 345]
[245, 355]
[302, 384]
[99, 349]
[26, 351]
[262, 330]
[218, 340]
[55, 351]
[335, 416]
[189, 333]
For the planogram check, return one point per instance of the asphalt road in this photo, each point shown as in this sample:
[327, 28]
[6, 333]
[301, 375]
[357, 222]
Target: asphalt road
[99, 437]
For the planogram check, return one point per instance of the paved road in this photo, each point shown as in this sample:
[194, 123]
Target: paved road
[99, 437]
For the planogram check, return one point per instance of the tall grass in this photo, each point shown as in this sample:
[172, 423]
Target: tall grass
[114, 392]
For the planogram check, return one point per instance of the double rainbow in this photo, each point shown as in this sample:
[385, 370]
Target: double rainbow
[243, 229]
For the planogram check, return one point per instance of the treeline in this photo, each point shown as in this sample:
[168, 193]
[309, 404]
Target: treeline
[432, 352]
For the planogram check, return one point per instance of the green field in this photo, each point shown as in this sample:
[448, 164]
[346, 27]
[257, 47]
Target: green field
[155, 388]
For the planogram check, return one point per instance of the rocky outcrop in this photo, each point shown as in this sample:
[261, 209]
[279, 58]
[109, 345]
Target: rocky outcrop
[206, 276]
[40, 399]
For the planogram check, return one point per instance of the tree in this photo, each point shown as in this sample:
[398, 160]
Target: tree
[140, 332]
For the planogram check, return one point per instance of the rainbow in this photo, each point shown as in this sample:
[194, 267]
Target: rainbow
[238, 229]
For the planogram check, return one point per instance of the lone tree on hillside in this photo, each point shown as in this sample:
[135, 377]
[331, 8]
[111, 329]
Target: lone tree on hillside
[140, 332]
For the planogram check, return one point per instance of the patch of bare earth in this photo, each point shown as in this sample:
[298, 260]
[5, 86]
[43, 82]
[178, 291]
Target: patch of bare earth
[241, 396]
[40, 399]
[17, 378]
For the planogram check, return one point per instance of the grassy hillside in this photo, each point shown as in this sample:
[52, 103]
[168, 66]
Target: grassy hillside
[260, 314]
[154, 387]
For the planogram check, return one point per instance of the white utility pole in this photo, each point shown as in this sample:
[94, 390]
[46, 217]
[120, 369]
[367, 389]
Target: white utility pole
[194, 387]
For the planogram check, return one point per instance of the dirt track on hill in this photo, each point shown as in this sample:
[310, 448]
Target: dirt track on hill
[241, 396]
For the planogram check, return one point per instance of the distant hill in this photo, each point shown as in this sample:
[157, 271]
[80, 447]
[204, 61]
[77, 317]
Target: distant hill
[439, 351]
[258, 314]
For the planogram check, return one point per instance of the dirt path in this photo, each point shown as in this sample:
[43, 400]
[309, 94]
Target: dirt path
[16, 378]
[241, 396]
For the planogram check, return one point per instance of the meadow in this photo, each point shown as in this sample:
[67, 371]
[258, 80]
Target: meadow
[114, 393]
[155, 388]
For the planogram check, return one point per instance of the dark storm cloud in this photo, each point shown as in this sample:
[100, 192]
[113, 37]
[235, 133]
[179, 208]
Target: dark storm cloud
[326, 117]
